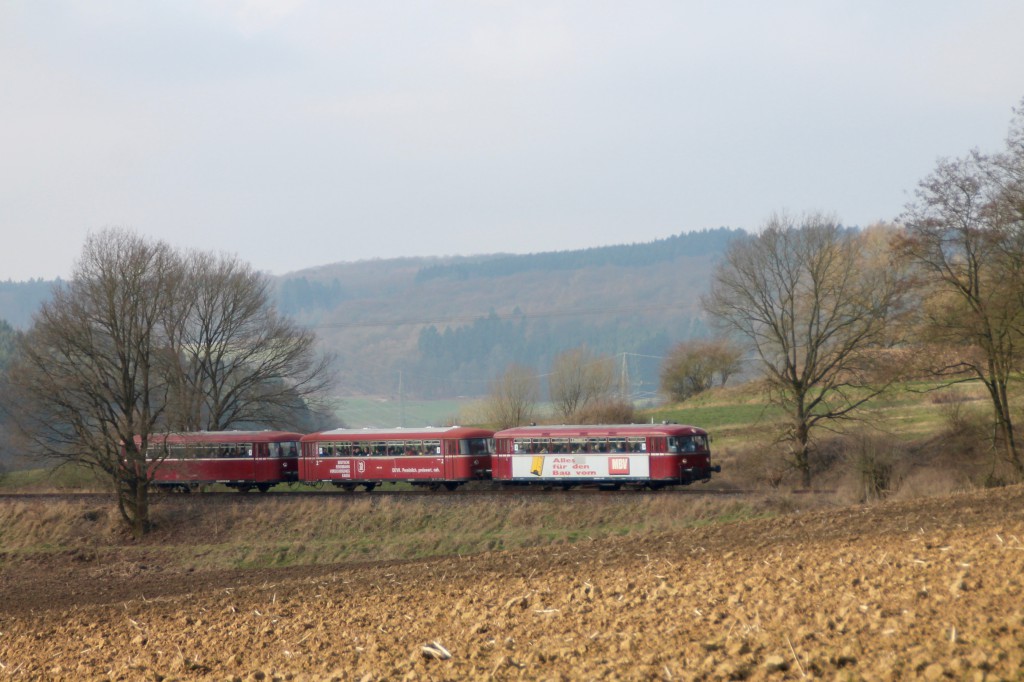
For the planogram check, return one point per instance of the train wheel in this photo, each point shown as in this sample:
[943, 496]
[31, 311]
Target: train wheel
[451, 485]
[368, 487]
[244, 488]
[263, 487]
[347, 486]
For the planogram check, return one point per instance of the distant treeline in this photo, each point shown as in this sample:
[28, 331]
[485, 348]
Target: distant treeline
[299, 294]
[700, 243]
[452, 361]
[19, 300]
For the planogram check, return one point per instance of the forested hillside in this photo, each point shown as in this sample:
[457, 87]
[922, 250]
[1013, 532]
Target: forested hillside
[446, 327]
[18, 300]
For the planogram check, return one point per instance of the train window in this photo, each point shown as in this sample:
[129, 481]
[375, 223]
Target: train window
[580, 445]
[288, 449]
[693, 443]
[477, 446]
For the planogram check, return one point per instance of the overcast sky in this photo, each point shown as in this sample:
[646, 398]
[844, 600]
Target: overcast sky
[298, 133]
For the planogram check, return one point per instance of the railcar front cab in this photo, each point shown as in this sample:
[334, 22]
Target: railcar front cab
[695, 462]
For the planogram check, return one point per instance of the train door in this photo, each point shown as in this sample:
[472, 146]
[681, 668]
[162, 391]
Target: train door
[659, 466]
[450, 452]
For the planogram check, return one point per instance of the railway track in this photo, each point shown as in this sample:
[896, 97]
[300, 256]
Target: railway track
[279, 495]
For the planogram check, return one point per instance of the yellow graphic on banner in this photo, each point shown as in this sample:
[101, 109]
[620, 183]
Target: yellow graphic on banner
[537, 467]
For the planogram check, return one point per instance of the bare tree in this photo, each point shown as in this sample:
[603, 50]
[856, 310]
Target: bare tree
[86, 376]
[580, 379]
[143, 340]
[814, 301]
[513, 398]
[965, 233]
[691, 367]
[233, 359]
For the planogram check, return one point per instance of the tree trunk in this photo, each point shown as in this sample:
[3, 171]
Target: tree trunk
[141, 522]
[1004, 424]
[803, 453]
[133, 503]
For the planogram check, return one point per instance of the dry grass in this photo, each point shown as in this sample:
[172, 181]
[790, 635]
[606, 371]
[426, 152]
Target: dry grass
[206, 532]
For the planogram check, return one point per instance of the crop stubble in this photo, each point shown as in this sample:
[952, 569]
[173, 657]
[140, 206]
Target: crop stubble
[928, 589]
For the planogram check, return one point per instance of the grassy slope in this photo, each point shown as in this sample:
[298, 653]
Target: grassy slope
[907, 412]
[202, 533]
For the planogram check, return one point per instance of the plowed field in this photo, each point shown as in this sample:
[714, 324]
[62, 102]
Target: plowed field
[930, 589]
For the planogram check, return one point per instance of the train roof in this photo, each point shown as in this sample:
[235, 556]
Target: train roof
[400, 433]
[265, 436]
[600, 431]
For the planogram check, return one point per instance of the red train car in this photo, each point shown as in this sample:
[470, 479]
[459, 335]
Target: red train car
[239, 459]
[646, 455]
[427, 456]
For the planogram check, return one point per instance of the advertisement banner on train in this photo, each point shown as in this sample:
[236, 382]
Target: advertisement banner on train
[533, 467]
[382, 468]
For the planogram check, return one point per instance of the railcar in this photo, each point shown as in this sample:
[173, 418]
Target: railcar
[238, 459]
[606, 456]
[430, 456]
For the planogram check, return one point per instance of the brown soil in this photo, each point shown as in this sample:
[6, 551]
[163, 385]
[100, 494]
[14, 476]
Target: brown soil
[930, 589]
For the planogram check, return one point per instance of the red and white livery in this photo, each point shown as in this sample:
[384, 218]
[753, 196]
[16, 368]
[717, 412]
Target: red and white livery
[238, 459]
[609, 456]
[428, 456]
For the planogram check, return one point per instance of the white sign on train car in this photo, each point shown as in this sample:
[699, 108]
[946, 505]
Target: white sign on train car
[534, 467]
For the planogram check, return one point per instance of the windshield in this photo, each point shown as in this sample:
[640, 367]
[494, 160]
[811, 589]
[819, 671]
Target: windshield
[695, 443]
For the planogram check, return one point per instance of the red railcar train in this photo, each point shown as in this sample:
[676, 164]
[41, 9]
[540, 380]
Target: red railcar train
[642, 455]
[238, 459]
[433, 457]
[635, 455]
